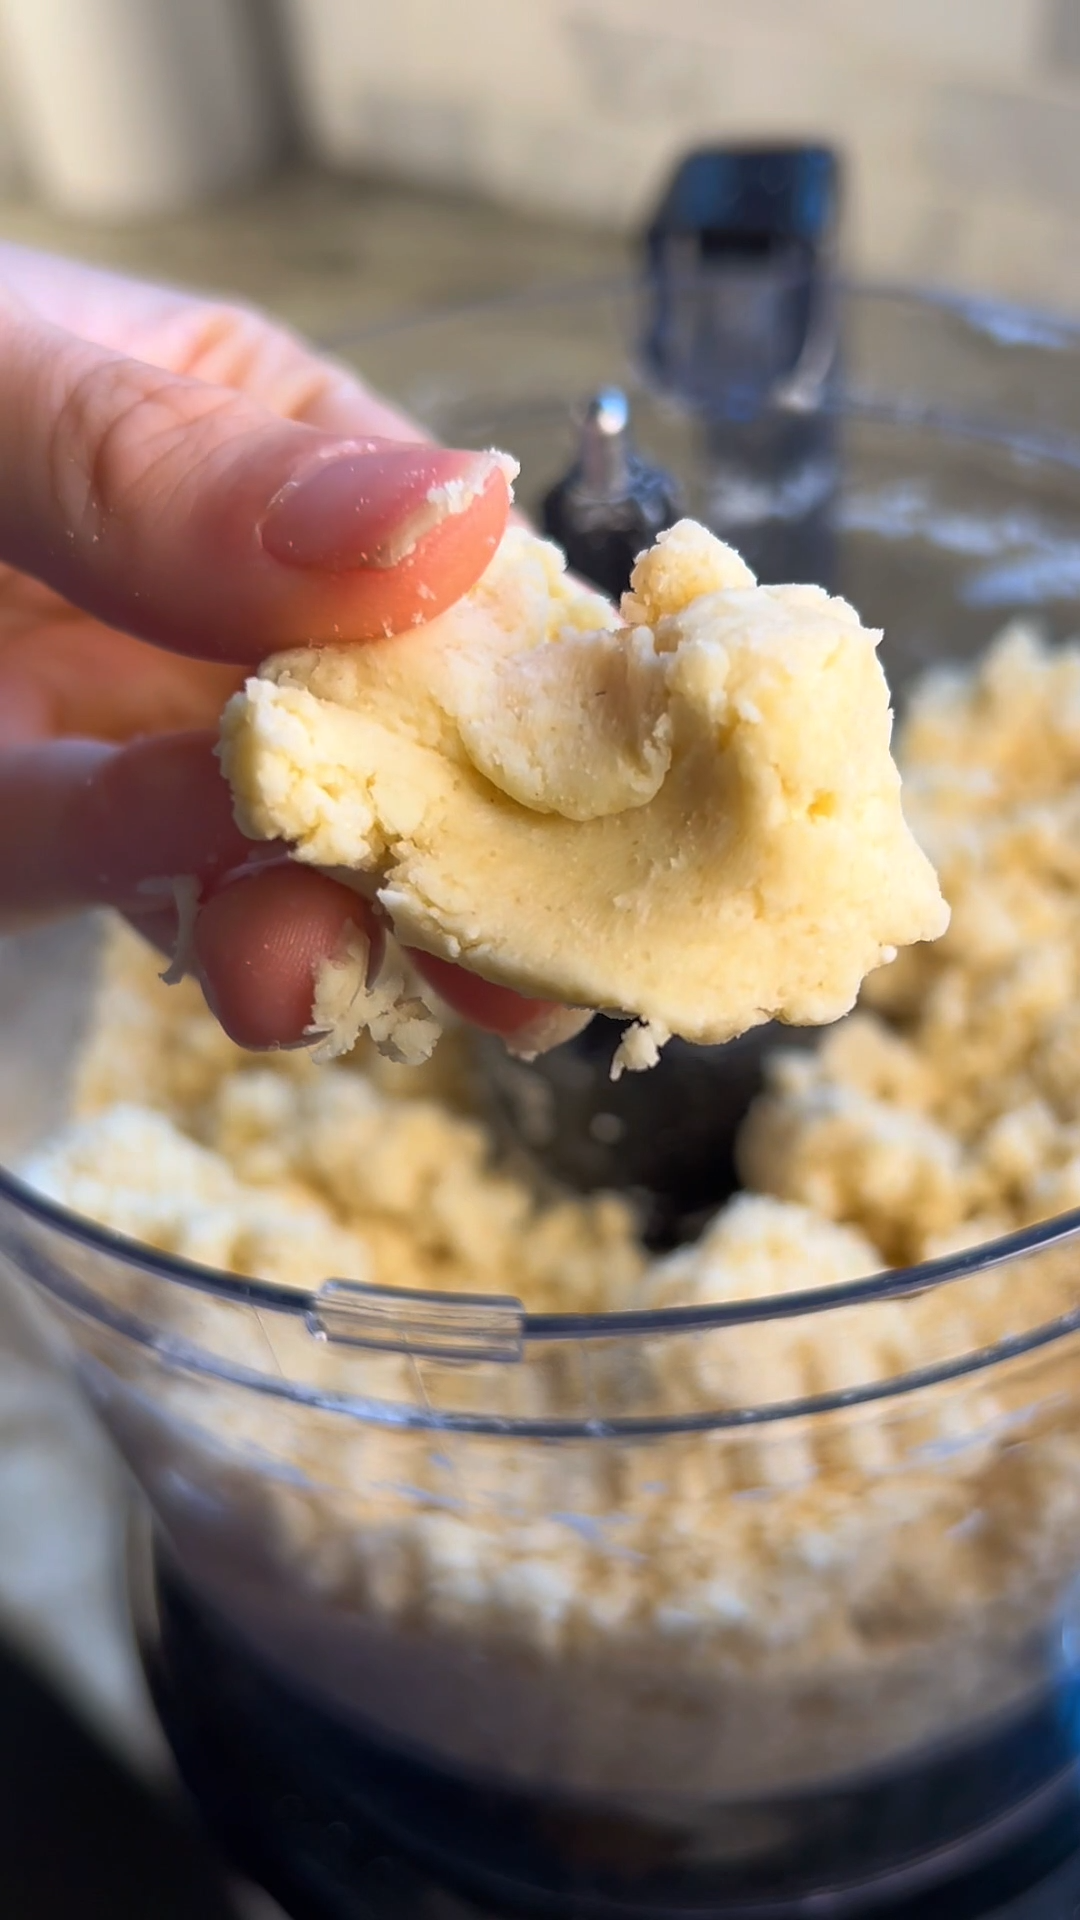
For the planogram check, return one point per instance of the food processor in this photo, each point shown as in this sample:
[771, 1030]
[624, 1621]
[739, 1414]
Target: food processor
[320, 1470]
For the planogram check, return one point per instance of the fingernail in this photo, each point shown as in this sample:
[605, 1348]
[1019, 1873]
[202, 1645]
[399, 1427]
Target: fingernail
[371, 508]
[549, 1029]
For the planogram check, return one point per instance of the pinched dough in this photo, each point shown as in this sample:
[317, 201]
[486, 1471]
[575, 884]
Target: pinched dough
[692, 817]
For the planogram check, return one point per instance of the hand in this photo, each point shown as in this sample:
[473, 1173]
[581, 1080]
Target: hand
[184, 488]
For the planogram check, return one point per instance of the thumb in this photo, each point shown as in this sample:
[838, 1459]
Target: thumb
[194, 517]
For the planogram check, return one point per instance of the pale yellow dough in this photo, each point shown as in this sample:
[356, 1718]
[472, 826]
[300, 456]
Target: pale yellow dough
[693, 817]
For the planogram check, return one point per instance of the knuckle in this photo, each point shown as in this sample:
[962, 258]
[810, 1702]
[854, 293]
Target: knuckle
[221, 338]
[238, 347]
[230, 345]
[115, 431]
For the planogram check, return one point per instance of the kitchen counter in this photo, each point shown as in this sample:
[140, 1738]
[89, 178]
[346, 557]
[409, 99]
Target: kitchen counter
[332, 255]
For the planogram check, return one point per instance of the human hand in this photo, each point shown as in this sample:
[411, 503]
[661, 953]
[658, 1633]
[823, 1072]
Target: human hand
[184, 488]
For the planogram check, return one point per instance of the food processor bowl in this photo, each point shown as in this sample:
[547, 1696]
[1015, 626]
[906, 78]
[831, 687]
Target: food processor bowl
[630, 1613]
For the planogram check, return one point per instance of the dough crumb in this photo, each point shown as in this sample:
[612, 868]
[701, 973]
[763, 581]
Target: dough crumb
[389, 1006]
[639, 1048]
[181, 891]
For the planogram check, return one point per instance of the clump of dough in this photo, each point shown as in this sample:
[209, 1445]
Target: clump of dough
[692, 817]
[136, 1170]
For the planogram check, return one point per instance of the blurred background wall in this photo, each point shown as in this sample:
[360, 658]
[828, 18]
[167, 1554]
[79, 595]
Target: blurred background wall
[961, 118]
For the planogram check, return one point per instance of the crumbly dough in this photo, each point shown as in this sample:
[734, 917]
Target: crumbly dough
[948, 1109]
[693, 817]
[713, 1612]
[387, 1004]
[272, 1166]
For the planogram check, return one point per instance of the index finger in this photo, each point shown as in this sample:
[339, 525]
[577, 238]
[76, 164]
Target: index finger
[193, 516]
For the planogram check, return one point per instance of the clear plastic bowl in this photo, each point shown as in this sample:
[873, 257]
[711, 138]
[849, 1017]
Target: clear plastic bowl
[435, 1576]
